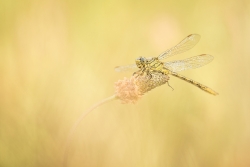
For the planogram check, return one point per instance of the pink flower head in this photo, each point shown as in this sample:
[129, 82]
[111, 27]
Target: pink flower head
[129, 90]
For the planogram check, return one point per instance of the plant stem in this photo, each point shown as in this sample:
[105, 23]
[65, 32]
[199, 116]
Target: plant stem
[72, 130]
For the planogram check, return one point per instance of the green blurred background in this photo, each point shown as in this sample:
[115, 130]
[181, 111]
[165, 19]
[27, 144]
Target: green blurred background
[57, 58]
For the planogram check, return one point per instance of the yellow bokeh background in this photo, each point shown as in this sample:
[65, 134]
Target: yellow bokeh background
[57, 59]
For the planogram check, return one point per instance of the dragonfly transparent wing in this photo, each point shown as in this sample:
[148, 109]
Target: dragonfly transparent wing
[125, 68]
[186, 44]
[190, 63]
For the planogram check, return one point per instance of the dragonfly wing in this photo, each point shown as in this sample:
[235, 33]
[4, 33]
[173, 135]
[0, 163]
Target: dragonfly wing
[186, 44]
[125, 68]
[190, 63]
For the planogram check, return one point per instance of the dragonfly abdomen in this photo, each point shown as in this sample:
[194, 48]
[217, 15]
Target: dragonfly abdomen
[197, 84]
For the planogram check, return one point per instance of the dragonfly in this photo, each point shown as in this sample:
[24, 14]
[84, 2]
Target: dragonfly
[155, 64]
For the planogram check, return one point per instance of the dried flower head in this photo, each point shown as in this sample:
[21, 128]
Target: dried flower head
[129, 90]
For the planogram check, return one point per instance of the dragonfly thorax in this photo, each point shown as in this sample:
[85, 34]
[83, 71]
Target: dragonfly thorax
[149, 65]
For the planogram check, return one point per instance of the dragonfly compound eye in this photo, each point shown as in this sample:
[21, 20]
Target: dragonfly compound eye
[139, 62]
[142, 59]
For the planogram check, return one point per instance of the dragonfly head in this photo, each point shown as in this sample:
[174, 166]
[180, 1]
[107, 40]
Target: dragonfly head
[140, 62]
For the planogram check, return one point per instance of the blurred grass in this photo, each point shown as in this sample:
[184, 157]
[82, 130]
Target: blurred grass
[57, 59]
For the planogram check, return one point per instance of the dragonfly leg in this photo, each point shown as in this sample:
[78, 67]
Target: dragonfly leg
[135, 72]
[150, 75]
[170, 86]
[139, 73]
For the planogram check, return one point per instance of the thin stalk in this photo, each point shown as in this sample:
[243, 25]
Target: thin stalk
[70, 135]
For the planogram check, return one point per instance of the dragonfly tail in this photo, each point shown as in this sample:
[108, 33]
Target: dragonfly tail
[197, 84]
